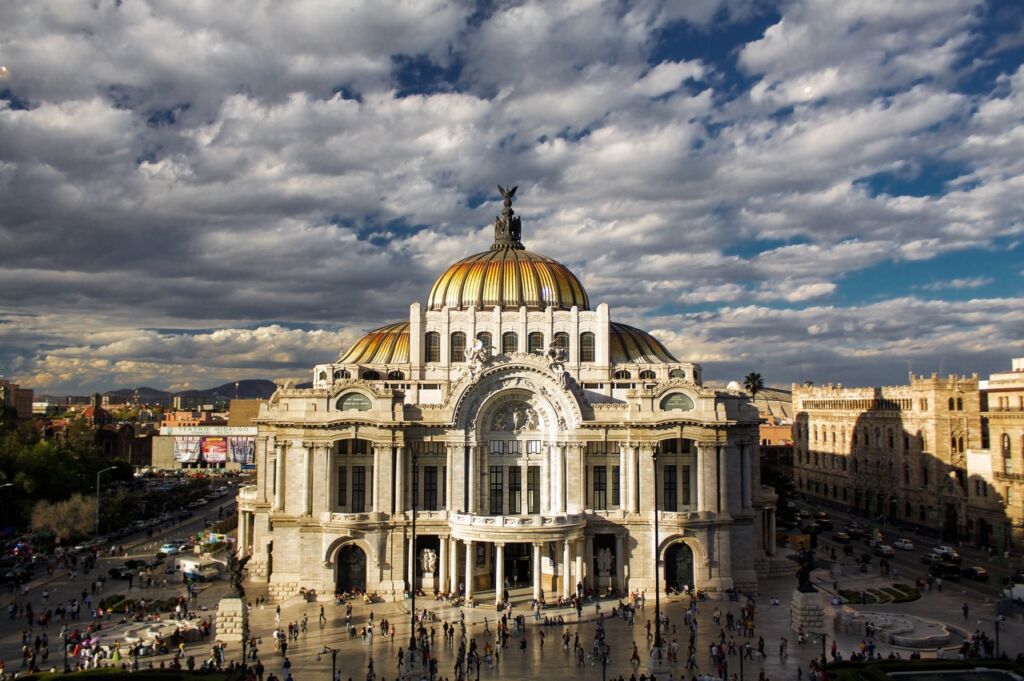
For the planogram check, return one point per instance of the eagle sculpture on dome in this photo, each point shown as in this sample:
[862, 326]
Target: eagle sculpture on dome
[507, 194]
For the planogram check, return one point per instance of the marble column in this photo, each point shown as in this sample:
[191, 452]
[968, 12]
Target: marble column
[620, 562]
[771, 533]
[243, 542]
[399, 502]
[307, 478]
[623, 479]
[442, 568]
[453, 565]
[326, 500]
[645, 466]
[728, 490]
[634, 480]
[263, 445]
[588, 556]
[470, 565]
[471, 476]
[700, 496]
[578, 569]
[536, 571]
[566, 572]
[524, 490]
[282, 456]
[557, 480]
[748, 482]
[499, 571]
[448, 477]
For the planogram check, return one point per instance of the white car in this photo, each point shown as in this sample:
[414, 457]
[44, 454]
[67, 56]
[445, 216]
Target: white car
[944, 549]
[904, 544]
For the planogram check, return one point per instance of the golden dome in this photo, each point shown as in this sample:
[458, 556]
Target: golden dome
[630, 345]
[508, 278]
[387, 345]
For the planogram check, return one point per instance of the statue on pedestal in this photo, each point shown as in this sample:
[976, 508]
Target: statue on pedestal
[236, 573]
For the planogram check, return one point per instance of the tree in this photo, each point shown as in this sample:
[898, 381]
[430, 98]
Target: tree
[754, 383]
[74, 517]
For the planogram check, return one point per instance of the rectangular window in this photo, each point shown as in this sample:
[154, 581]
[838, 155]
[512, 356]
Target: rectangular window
[358, 489]
[616, 492]
[687, 499]
[342, 485]
[496, 447]
[600, 488]
[670, 501]
[515, 490]
[533, 447]
[533, 489]
[430, 488]
[512, 447]
[496, 490]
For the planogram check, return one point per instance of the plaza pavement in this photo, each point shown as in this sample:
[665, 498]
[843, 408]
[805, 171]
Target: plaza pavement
[772, 622]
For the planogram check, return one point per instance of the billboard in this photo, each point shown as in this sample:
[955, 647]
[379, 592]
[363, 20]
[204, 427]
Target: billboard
[243, 450]
[214, 449]
[186, 449]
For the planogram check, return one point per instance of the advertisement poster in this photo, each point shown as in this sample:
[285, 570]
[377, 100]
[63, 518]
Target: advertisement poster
[243, 450]
[186, 448]
[215, 449]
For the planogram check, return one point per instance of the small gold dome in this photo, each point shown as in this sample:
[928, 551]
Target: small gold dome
[387, 345]
[508, 278]
[630, 345]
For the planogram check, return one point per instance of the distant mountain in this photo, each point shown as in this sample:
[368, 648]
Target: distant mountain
[255, 388]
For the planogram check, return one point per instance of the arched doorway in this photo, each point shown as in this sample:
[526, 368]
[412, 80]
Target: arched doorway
[351, 568]
[678, 566]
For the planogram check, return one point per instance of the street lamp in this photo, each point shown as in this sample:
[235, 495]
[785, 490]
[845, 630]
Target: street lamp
[996, 622]
[824, 636]
[334, 659]
[98, 474]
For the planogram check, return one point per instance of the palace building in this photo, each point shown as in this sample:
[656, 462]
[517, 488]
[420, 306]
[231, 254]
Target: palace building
[524, 426]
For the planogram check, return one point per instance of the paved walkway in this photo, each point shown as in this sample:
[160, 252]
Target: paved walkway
[772, 623]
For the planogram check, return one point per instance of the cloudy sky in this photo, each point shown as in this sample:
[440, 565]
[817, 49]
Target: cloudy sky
[194, 192]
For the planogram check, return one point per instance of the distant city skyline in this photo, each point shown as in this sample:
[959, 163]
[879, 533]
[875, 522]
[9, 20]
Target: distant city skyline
[203, 194]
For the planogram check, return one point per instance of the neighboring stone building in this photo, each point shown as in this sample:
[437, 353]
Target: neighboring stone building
[996, 468]
[534, 418]
[898, 452]
[20, 399]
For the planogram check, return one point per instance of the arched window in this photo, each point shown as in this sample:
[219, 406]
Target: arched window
[535, 343]
[677, 402]
[371, 376]
[561, 341]
[892, 439]
[952, 444]
[341, 374]
[509, 342]
[353, 402]
[951, 404]
[587, 350]
[432, 346]
[323, 375]
[1006, 445]
[677, 373]
[959, 404]
[647, 375]
[960, 445]
[457, 347]
[395, 375]
[485, 338]
[622, 375]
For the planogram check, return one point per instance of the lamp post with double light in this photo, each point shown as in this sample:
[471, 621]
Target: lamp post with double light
[98, 474]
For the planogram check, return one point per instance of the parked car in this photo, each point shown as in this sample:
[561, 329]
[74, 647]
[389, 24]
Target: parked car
[931, 558]
[945, 570]
[123, 572]
[884, 550]
[903, 544]
[169, 549]
[949, 555]
[978, 574]
[841, 537]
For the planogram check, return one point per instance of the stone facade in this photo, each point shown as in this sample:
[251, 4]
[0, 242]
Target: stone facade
[532, 463]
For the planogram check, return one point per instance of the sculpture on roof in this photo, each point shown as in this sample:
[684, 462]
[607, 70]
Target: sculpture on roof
[507, 226]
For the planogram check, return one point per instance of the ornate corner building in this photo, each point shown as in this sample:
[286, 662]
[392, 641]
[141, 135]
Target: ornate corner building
[524, 427]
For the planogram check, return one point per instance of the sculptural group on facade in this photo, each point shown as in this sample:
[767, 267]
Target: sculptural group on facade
[604, 562]
[515, 417]
[477, 357]
[428, 561]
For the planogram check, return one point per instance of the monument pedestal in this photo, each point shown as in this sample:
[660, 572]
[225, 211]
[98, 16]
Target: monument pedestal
[415, 667]
[427, 582]
[233, 622]
[657, 663]
[604, 581]
[806, 611]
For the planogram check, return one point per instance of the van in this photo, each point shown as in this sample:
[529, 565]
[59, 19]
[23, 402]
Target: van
[945, 570]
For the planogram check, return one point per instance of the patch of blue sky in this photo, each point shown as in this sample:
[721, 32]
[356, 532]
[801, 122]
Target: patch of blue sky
[930, 178]
[958, 275]
[420, 75]
[716, 44]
